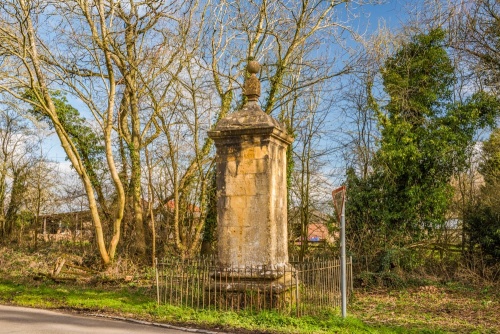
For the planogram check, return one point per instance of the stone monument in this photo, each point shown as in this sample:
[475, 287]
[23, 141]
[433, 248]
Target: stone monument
[251, 193]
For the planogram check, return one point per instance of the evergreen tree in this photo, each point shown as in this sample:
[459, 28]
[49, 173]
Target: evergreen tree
[424, 140]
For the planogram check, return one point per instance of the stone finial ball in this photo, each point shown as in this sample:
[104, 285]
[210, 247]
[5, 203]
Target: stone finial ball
[253, 66]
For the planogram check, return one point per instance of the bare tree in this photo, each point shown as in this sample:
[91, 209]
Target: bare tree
[41, 195]
[16, 164]
[154, 74]
[26, 71]
[474, 33]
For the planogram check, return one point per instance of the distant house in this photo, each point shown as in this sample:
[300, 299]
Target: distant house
[188, 213]
[317, 229]
[318, 232]
[191, 208]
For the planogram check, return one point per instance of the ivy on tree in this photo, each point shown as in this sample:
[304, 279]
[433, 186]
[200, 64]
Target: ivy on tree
[424, 141]
[87, 142]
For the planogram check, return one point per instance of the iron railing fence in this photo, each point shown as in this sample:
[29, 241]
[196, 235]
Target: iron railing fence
[301, 288]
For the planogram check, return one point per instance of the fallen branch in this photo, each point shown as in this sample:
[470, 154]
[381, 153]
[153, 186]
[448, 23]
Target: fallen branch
[58, 266]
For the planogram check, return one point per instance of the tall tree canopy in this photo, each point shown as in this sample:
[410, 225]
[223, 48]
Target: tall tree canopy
[152, 77]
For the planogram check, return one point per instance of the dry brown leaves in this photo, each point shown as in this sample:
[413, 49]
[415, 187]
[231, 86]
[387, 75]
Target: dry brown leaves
[448, 308]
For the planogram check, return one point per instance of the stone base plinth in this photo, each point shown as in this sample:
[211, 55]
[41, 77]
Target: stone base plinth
[253, 288]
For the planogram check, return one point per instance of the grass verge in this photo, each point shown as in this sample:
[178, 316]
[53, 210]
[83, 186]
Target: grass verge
[138, 303]
[425, 306]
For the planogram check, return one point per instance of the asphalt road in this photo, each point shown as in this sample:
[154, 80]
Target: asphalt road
[34, 321]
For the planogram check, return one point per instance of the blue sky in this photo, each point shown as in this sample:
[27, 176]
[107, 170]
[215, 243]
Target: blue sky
[392, 13]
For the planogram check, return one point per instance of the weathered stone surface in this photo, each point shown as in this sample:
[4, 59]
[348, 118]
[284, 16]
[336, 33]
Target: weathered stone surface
[250, 116]
[251, 196]
[251, 190]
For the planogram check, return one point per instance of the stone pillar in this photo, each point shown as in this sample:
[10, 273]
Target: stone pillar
[251, 189]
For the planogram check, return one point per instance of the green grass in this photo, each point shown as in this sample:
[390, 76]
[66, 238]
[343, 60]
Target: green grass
[139, 303]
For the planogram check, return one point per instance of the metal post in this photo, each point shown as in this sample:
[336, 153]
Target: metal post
[297, 300]
[343, 274]
[343, 269]
[157, 282]
[351, 286]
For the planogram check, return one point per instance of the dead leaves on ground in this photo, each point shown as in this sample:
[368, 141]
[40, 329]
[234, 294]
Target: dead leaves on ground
[451, 308]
